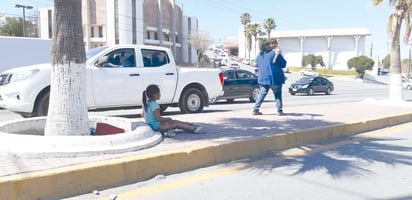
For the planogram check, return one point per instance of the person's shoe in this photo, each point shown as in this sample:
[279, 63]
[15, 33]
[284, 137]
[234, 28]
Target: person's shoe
[198, 130]
[280, 113]
[257, 113]
[170, 133]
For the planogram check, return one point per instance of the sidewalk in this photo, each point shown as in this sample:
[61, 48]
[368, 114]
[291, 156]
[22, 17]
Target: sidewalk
[228, 136]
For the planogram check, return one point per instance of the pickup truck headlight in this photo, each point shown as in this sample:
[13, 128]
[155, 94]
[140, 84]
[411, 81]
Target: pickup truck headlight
[22, 75]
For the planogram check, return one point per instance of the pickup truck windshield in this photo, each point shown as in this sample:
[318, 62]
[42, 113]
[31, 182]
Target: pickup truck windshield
[95, 51]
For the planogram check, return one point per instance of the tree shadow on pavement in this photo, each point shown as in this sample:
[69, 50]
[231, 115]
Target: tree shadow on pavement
[344, 159]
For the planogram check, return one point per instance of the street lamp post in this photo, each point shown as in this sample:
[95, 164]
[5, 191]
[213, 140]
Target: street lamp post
[24, 16]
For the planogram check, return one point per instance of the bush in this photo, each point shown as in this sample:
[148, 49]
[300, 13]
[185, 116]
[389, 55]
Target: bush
[361, 64]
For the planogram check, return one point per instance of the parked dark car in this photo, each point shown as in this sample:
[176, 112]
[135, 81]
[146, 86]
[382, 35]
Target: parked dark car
[238, 84]
[311, 84]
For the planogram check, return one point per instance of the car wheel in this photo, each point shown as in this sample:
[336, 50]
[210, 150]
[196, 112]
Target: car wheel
[41, 106]
[328, 91]
[310, 91]
[191, 101]
[292, 93]
[255, 93]
[230, 100]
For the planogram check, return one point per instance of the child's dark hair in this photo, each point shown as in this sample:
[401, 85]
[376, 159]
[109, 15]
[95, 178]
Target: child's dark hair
[150, 91]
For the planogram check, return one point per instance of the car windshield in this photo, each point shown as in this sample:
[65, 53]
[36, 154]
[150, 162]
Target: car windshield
[95, 51]
[305, 80]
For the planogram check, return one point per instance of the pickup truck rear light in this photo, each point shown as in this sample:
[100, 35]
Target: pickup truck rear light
[221, 77]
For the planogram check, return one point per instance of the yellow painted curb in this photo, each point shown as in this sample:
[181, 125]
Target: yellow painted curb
[83, 178]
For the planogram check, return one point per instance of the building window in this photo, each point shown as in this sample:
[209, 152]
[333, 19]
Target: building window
[148, 35]
[166, 37]
[134, 28]
[50, 23]
[100, 31]
[92, 32]
[156, 37]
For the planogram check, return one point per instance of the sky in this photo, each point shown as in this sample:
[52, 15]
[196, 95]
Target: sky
[221, 18]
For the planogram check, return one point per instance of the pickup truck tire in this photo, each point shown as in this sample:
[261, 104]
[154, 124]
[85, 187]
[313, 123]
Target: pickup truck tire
[191, 101]
[42, 104]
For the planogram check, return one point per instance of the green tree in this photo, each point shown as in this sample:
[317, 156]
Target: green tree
[386, 62]
[400, 15]
[361, 64]
[269, 24]
[312, 60]
[254, 30]
[200, 42]
[248, 35]
[67, 112]
[245, 19]
[12, 27]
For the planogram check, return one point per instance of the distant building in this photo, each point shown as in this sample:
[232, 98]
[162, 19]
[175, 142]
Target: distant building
[336, 46]
[107, 22]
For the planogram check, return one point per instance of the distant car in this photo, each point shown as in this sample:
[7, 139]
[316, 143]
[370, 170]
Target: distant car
[308, 72]
[407, 85]
[246, 61]
[234, 66]
[238, 84]
[311, 84]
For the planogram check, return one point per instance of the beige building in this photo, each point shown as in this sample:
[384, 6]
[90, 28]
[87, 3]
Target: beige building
[148, 22]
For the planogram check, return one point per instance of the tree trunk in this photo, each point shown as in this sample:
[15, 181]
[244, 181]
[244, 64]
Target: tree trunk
[67, 113]
[395, 82]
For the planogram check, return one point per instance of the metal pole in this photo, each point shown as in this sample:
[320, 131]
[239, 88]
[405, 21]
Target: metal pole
[24, 16]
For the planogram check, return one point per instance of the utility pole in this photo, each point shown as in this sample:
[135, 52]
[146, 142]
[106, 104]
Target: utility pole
[371, 50]
[24, 16]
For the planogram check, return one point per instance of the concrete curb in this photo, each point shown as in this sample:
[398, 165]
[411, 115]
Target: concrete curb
[83, 178]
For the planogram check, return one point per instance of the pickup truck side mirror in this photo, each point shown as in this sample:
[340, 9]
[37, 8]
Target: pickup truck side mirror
[103, 60]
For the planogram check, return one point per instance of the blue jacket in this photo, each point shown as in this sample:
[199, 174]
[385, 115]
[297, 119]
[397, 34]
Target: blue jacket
[269, 73]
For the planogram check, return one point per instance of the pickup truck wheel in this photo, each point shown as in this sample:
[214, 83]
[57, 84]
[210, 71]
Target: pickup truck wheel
[42, 105]
[191, 101]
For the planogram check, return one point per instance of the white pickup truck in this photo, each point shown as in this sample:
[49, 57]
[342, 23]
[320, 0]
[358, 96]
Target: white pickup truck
[116, 78]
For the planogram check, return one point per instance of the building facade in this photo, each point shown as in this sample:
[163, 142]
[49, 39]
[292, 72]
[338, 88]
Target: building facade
[336, 46]
[147, 22]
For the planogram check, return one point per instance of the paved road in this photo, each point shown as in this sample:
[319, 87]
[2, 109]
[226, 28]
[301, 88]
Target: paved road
[347, 89]
[372, 165]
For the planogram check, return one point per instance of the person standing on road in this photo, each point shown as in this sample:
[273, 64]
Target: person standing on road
[166, 125]
[270, 76]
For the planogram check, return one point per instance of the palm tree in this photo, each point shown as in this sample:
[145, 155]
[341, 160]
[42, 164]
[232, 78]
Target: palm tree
[67, 114]
[402, 11]
[269, 24]
[245, 19]
[248, 37]
[254, 30]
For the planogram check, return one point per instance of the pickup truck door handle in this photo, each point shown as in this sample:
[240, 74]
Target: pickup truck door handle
[170, 73]
[134, 74]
